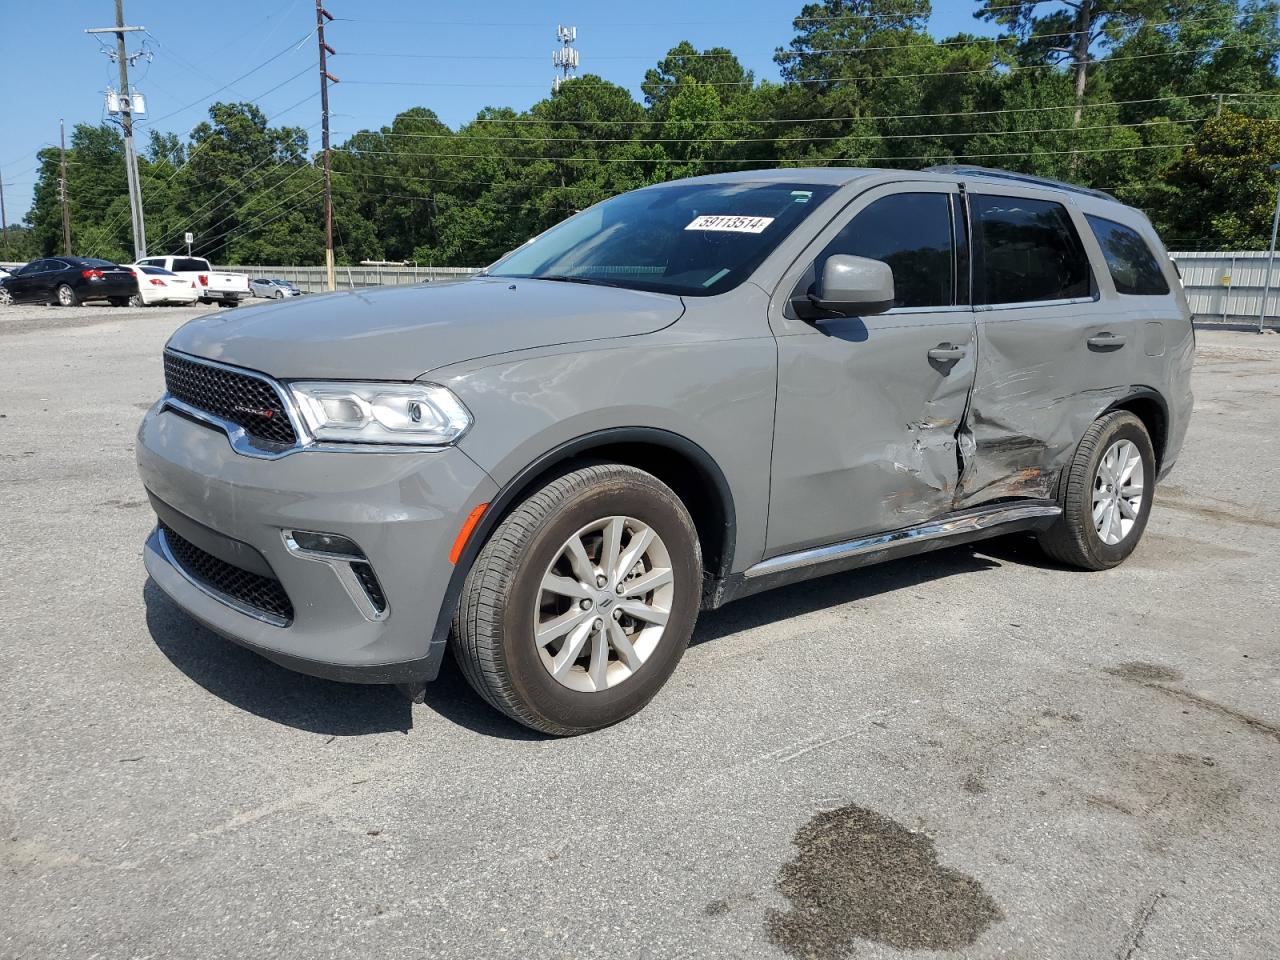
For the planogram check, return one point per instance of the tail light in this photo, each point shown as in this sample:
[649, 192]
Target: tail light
[204, 279]
[157, 283]
[91, 274]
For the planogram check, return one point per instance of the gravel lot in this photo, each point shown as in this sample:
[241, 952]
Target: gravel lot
[970, 752]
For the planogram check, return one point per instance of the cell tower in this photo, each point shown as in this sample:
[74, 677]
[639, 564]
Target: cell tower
[566, 58]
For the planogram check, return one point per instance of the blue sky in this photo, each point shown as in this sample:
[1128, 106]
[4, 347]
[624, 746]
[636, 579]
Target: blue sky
[50, 68]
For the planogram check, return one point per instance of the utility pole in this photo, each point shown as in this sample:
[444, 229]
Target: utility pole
[126, 109]
[62, 190]
[566, 58]
[325, 79]
[4, 219]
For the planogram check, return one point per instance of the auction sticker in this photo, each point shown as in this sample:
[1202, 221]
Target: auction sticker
[730, 224]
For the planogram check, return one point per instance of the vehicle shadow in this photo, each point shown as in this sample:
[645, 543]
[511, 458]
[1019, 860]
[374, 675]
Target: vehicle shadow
[252, 683]
[841, 588]
[256, 685]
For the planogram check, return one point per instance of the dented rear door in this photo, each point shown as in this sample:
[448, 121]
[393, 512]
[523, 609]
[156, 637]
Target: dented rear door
[869, 408]
[1055, 349]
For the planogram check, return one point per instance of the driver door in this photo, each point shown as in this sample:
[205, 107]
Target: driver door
[870, 409]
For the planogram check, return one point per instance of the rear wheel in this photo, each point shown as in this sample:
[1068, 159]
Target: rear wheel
[66, 296]
[582, 601]
[136, 300]
[1105, 495]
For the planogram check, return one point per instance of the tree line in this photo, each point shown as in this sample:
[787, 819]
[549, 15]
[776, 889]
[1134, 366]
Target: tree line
[1172, 106]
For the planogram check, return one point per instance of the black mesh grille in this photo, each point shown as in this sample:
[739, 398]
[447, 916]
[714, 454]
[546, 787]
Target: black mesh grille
[369, 580]
[242, 399]
[258, 592]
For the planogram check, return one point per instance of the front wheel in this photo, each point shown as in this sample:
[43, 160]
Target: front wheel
[66, 296]
[582, 601]
[1105, 495]
[6, 297]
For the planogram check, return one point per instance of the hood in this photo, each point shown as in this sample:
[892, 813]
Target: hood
[399, 333]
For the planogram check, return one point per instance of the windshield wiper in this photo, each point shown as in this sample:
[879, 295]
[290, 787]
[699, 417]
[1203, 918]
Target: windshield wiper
[564, 278]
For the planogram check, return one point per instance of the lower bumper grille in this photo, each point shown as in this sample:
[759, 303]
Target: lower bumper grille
[258, 593]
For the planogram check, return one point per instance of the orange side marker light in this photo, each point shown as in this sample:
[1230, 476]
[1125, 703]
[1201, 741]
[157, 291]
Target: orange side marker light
[465, 533]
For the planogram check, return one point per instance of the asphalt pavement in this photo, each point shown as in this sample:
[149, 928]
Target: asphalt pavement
[972, 753]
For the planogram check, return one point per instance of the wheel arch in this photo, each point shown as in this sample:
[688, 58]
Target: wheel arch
[1150, 407]
[676, 460]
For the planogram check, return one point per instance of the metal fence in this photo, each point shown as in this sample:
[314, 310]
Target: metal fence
[1226, 286]
[312, 279]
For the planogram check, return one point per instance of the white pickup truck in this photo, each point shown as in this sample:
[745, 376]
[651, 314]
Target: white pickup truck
[217, 286]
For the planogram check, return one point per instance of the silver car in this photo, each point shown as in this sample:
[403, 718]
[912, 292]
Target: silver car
[273, 289]
[678, 397]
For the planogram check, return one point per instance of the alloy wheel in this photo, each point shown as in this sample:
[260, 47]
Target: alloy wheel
[603, 604]
[1117, 492]
[66, 296]
[6, 298]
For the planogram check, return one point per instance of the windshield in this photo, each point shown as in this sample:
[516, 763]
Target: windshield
[694, 239]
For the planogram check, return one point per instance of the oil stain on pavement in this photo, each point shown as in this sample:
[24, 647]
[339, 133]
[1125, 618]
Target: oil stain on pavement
[861, 876]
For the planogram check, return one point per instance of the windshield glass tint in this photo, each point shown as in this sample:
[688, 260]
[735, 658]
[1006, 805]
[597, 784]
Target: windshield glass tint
[691, 239]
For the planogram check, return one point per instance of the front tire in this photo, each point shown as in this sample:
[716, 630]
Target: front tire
[6, 297]
[1105, 495]
[582, 601]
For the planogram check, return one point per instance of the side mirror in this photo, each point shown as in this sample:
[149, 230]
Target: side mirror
[850, 287]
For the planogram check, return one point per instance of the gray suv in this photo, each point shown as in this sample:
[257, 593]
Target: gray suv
[676, 398]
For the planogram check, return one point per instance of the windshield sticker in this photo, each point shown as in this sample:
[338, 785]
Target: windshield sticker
[802, 196]
[730, 224]
[714, 277]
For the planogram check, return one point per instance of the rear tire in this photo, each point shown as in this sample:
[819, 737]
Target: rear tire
[136, 300]
[547, 685]
[65, 296]
[1105, 494]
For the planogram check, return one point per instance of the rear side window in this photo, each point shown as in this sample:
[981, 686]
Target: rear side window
[1026, 251]
[911, 232]
[189, 265]
[1133, 266]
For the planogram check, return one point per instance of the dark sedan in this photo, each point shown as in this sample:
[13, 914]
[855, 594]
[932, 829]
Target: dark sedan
[68, 281]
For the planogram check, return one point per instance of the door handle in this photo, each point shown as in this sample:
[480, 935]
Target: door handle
[946, 353]
[1106, 341]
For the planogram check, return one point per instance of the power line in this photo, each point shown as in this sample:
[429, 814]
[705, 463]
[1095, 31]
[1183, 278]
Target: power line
[861, 79]
[782, 140]
[851, 52]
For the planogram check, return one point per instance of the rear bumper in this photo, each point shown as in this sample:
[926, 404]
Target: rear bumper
[210, 293]
[107, 289]
[403, 510]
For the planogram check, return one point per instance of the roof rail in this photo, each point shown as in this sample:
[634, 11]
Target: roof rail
[962, 170]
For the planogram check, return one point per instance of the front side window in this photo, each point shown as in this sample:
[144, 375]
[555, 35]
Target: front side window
[696, 239]
[911, 232]
[1132, 265]
[1026, 251]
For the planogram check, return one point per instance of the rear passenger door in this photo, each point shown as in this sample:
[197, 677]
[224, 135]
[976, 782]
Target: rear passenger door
[1054, 350]
[868, 407]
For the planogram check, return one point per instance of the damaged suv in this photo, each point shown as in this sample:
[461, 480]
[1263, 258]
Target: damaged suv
[678, 397]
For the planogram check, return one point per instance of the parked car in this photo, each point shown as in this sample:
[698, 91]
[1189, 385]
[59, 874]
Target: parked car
[68, 281]
[214, 286]
[678, 397]
[274, 289]
[158, 286]
[4, 273]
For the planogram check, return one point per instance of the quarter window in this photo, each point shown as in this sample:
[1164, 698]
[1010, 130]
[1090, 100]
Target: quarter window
[911, 232]
[1133, 266]
[1025, 251]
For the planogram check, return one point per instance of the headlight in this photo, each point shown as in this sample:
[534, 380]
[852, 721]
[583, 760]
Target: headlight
[381, 412]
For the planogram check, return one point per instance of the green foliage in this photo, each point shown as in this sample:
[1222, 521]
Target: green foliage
[863, 83]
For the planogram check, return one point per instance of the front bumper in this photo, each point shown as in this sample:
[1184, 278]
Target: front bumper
[402, 509]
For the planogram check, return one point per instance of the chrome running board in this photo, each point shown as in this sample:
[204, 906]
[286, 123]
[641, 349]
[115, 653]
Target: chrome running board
[961, 527]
